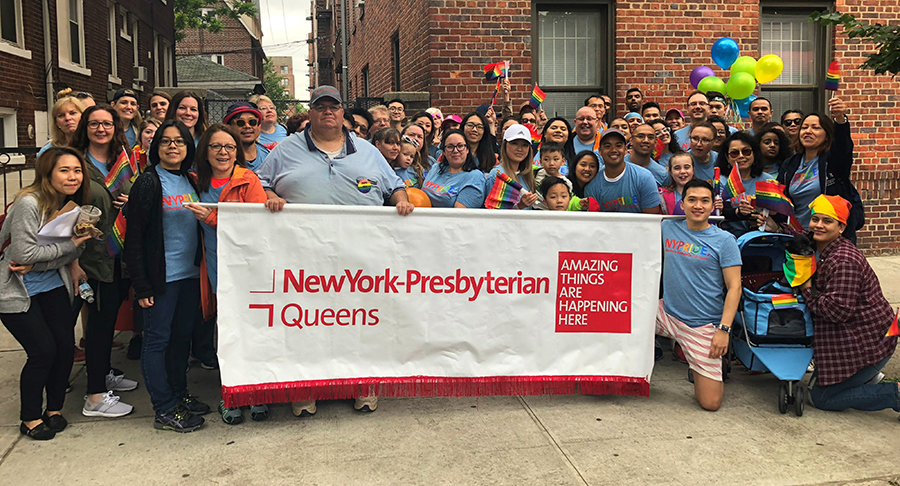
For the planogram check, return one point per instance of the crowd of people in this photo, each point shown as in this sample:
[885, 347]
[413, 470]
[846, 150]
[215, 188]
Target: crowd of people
[650, 160]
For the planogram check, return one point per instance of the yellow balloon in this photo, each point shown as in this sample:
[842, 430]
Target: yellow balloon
[768, 68]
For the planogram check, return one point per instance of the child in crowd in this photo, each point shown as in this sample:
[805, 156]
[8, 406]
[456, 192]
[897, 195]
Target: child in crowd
[555, 192]
[408, 165]
[552, 160]
[681, 170]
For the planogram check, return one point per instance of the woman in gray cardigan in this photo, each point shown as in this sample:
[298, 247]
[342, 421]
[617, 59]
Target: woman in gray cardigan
[37, 288]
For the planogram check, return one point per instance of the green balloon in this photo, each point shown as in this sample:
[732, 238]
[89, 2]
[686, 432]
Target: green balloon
[744, 64]
[740, 86]
[711, 83]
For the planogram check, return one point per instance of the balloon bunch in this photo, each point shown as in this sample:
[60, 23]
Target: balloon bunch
[745, 72]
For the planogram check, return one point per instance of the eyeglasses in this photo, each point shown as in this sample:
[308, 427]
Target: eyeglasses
[472, 126]
[701, 140]
[455, 148]
[324, 108]
[661, 133]
[81, 95]
[643, 136]
[395, 109]
[93, 125]
[790, 122]
[217, 147]
[161, 104]
[165, 142]
[746, 152]
[240, 123]
[589, 119]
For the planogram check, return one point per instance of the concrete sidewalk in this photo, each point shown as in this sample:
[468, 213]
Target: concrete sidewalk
[545, 440]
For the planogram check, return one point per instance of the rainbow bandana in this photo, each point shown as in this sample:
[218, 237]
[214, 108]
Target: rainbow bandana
[833, 206]
[798, 268]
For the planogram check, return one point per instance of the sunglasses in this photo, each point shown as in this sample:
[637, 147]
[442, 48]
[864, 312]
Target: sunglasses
[240, 123]
[746, 152]
[414, 143]
[793, 121]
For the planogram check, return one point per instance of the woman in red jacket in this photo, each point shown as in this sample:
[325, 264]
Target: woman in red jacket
[221, 176]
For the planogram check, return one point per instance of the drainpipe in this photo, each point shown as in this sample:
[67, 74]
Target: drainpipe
[343, 49]
[48, 62]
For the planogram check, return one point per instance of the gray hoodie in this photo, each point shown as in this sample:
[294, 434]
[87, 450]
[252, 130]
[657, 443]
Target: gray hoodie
[21, 227]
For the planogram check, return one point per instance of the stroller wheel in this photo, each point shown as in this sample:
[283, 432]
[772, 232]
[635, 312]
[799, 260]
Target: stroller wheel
[782, 398]
[800, 400]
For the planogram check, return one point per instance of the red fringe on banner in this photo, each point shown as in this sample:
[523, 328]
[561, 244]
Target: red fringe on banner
[433, 386]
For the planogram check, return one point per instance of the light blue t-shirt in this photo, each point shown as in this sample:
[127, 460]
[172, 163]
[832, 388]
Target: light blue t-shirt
[301, 173]
[41, 151]
[408, 175]
[633, 190]
[130, 136]
[99, 165]
[664, 161]
[491, 178]
[39, 282]
[210, 241]
[179, 226]
[805, 186]
[270, 140]
[705, 172]
[446, 189]
[693, 283]
[261, 153]
[660, 174]
[579, 147]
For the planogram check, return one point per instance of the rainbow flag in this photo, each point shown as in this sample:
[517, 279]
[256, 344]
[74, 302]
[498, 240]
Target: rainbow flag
[894, 329]
[535, 136]
[496, 70]
[798, 268]
[770, 195]
[833, 78]
[717, 177]
[734, 186]
[658, 149]
[125, 169]
[537, 97]
[116, 241]
[785, 301]
[504, 194]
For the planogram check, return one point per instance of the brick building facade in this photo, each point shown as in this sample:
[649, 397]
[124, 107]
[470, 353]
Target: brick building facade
[576, 48]
[237, 46]
[140, 33]
[284, 67]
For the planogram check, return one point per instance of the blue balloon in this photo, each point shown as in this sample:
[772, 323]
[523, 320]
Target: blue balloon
[724, 52]
[744, 106]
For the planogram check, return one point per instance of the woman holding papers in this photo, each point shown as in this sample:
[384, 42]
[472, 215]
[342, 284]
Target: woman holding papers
[37, 288]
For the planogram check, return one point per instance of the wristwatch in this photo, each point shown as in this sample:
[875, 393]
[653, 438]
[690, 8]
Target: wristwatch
[723, 327]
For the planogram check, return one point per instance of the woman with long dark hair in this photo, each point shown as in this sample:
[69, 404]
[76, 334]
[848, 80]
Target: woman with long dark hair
[477, 131]
[187, 107]
[774, 147]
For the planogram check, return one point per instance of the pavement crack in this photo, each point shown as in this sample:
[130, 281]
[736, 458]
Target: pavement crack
[9, 449]
[553, 440]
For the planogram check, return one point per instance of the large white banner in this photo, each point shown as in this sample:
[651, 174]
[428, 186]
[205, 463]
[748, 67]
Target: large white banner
[337, 301]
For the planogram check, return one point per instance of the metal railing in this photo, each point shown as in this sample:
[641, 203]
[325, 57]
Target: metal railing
[13, 174]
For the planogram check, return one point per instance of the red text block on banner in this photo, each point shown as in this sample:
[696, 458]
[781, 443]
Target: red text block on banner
[593, 292]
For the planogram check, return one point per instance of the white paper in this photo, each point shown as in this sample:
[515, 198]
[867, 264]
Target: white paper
[60, 228]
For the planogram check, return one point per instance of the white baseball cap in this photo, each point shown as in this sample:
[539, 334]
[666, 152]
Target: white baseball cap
[517, 132]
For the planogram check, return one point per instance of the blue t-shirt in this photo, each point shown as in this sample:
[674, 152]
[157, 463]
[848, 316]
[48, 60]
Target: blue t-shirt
[664, 161]
[210, 241]
[179, 226]
[261, 153]
[39, 282]
[99, 165]
[130, 136]
[408, 175]
[683, 137]
[41, 151]
[693, 283]
[633, 190]
[446, 189]
[805, 186]
[659, 172]
[270, 140]
[579, 147]
[707, 171]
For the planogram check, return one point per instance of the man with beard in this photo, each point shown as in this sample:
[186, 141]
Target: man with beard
[634, 99]
[622, 187]
[760, 114]
[643, 141]
[245, 119]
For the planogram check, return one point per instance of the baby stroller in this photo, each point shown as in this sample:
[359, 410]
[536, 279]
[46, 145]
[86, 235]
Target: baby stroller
[773, 329]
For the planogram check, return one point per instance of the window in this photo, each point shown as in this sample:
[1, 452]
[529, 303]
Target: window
[135, 43]
[168, 57]
[283, 82]
[395, 54]
[365, 81]
[787, 33]
[12, 37]
[71, 36]
[572, 56]
[284, 70]
[126, 16]
[156, 59]
[8, 133]
[111, 36]
[218, 59]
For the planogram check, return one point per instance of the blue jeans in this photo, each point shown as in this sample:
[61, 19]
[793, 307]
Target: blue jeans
[168, 325]
[854, 393]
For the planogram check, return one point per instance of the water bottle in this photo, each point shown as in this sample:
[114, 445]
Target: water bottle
[85, 291]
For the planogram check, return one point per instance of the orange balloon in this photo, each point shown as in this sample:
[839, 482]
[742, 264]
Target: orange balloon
[418, 198]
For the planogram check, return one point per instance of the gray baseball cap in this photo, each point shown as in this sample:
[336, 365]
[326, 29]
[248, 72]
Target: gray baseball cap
[325, 92]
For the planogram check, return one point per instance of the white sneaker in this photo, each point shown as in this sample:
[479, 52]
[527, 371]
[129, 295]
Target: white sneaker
[119, 383]
[366, 404]
[108, 406]
[304, 409]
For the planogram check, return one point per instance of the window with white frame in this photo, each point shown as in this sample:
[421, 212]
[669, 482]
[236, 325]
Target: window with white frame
[168, 57]
[787, 33]
[125, 22]
[9, 133]
[11, 28]
[284, 70]
[134, 41]
[156, 59]
[218, 59]
[111, 35]
[71, 35]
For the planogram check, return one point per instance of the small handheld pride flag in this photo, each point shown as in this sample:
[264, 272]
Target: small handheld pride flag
[734, 186]
[504, 194]
[833, 78]
[496, 70]
[770, 195]
[537, 97]
[894, 329]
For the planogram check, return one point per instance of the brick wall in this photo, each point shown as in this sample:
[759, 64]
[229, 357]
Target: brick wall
[232, 37]
[22, 83]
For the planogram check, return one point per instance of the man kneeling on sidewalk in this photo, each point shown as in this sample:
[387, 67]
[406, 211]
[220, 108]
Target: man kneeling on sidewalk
[699, 262]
